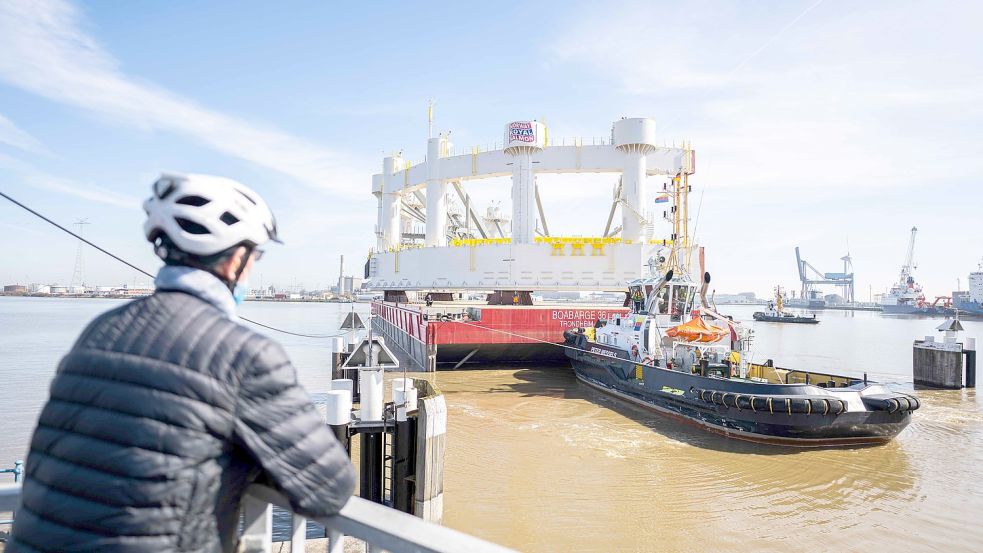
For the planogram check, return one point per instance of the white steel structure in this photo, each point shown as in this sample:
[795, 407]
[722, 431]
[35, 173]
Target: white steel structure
[524, 261]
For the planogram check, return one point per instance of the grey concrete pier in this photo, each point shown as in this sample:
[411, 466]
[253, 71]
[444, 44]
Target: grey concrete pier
[939, 364]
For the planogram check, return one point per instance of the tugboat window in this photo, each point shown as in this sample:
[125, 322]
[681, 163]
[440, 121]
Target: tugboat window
[663, 303]
[680, 303]
[645, 338]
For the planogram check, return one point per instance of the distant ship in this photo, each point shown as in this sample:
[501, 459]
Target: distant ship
[776, 312]
[971, 301]
[814, 300]
[905, 296]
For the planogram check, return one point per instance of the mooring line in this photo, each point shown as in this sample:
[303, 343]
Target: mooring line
[515, 335]
[139, 270]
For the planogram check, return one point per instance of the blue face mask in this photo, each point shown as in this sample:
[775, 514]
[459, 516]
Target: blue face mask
[240, 291]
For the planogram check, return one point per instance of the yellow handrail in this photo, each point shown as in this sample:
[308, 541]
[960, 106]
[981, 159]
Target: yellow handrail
[596, 241]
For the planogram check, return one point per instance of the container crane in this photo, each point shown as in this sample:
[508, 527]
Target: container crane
[844, 279]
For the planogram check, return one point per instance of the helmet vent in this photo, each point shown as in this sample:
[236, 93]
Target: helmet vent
[191, 227]
[196, 201]
[164, 187]
[229, 219]
[247, 196]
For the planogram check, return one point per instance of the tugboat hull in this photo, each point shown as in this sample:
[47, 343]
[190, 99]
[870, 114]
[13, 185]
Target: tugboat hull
[780, 414]
[764, 317]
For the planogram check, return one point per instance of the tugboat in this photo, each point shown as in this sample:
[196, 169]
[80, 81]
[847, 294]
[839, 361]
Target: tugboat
[776, 313]
[689, 362]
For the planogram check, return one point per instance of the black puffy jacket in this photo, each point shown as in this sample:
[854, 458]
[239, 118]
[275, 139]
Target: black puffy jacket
[159, 417]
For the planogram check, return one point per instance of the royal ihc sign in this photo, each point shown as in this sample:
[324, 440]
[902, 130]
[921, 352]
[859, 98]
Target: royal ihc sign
[522, 131]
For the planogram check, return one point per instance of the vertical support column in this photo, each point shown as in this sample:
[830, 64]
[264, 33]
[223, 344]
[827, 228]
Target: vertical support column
[430, 447]
[636, 139]
[523, 199]
[392, 203]
[336, 541]
[436, 195]
[298, 534]
[404, 395]
[371, 417]
[257, 534]
[377, 191]
[969, 349]
[370, 465]
[522, 140]
[633, 195]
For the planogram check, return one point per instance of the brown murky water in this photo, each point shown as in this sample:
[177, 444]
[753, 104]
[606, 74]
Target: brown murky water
[539, 462]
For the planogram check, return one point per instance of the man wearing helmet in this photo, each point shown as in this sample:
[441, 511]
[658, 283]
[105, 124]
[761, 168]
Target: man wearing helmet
[167, 408]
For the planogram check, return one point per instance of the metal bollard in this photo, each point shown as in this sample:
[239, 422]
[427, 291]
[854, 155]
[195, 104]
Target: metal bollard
[969, 348]
[337, 356]
[338, 407]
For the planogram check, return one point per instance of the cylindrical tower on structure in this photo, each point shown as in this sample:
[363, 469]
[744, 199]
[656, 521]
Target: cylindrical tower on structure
[436, 195]
[377, 181]
[392, 202]
[636, 138]
[522, 140]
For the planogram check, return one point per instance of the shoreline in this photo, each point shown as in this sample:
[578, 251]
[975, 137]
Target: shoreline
[118, 297]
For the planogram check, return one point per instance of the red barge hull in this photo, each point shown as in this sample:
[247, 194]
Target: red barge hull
[453, 333]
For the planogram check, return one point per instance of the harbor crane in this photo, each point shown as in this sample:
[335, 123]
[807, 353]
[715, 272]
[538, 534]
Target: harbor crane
[906, 278]
[844, 279]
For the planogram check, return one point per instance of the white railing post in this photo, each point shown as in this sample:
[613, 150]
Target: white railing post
[299, 535]
[336, 541]
[257, 536]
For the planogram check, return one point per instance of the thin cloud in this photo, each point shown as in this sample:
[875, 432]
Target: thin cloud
[47, 52]
[88, 192]
[12, 135]
[847, 122]
[20, 173]
[23, 228]
[817, 103]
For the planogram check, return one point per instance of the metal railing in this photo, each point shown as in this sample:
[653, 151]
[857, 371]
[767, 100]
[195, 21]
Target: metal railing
[381, 528]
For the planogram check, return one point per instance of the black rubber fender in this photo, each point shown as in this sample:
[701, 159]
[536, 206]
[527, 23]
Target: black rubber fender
[800, 405]
[789, 405]
[580, 342]
[892, 403]
[744, 402]
[759, 403]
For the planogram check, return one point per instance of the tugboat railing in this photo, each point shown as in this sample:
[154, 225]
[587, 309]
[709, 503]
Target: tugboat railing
[381, 528]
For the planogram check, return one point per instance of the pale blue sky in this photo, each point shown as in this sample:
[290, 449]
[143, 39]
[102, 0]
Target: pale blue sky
[814, 123]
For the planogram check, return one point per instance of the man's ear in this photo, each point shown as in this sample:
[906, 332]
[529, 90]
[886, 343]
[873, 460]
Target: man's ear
[231, 265]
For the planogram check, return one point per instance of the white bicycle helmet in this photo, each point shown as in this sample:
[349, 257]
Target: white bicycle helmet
[204, 215]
